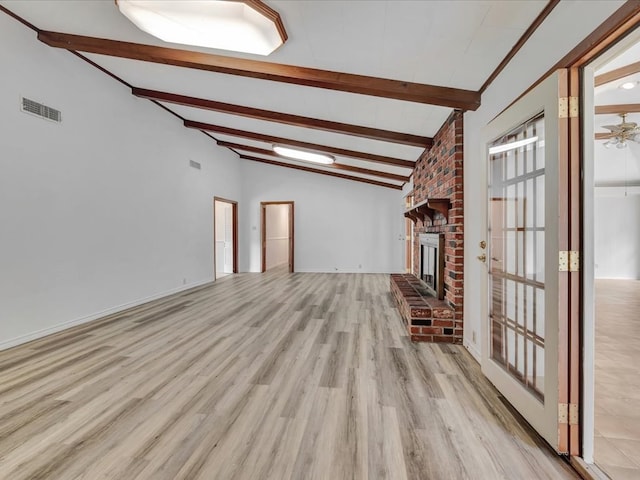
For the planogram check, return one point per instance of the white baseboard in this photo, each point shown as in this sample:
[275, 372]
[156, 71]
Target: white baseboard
[473, 350]
[94, 316]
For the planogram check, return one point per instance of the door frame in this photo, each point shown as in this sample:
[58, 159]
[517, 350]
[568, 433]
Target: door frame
[581, 328]
[611, 31]
[587, 298]
[263, 233]
[234, 232]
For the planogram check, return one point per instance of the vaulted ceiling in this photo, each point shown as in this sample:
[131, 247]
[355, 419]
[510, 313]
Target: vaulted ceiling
[369, 82]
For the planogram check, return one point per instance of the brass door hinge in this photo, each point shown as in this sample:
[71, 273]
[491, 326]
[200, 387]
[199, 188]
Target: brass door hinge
[568, 107]
[568, 414]
[573, 414]
[563, 413]
[574, 108]
[568, 261]
[563, 107]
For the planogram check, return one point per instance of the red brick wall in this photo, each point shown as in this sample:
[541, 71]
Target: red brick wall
[438, 174]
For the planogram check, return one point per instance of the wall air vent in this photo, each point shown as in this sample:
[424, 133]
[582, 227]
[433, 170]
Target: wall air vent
[193, 164]
[42, 111]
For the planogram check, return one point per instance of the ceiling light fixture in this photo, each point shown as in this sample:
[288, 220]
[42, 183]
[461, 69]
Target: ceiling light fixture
[511, 146]
[303, 155]
[247, 26]
[622, 133]
[628, 85]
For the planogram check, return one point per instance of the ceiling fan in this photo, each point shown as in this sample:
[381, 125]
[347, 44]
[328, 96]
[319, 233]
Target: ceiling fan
[622, 133]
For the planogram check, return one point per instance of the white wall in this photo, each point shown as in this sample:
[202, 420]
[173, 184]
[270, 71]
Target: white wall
[277, 235]
[550, 43]
[340, 225]
[616, 216]
[103, 210]
[617, 234]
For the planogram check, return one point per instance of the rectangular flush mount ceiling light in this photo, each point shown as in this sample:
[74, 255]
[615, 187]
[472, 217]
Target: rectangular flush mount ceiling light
[303, 155]
[247, 26]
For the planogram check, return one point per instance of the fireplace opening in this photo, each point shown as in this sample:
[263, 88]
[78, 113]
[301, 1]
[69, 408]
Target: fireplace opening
[432, 263]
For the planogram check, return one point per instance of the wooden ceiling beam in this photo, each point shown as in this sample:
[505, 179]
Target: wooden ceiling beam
[617, 74]
[337, 166]
[310, 77]
[520, 43]
[369, 157]
[321, 172]
[617, 109]
[285, 118]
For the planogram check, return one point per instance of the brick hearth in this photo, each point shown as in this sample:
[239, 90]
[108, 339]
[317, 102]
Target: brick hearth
[427, 318]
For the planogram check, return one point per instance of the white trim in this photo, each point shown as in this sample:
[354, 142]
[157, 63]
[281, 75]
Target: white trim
[588, 270]
[94, 316]
[473, 350]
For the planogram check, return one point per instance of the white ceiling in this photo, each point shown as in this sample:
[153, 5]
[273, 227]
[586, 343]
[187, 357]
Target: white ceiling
[447, 43]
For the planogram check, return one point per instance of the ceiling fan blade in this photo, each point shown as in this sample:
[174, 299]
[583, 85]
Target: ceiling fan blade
[613, 128]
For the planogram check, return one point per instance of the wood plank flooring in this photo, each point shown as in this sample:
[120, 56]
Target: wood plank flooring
[617, 383]
[258, 376]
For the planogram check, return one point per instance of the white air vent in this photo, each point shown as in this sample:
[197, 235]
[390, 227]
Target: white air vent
[42, 111]
[194, 164]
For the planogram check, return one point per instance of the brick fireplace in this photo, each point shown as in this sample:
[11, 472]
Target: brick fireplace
[437, 209]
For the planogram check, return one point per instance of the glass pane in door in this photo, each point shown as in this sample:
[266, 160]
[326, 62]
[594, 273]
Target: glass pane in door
[516, 268]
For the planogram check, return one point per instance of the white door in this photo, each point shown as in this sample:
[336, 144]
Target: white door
[523, 147]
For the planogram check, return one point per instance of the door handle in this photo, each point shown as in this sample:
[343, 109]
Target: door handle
[496, 259]
[482, 258]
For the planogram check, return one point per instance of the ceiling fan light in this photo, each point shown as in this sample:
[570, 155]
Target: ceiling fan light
[621, 144]
[607, 144]
[225, 25]
[303, 155]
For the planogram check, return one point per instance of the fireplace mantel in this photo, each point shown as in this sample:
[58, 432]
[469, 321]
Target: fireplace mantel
[428, 209]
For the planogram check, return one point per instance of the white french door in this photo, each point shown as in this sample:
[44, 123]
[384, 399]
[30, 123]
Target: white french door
[521, 351]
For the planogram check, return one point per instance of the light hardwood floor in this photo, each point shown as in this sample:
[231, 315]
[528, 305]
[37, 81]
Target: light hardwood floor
[617, 419]
[258, 376]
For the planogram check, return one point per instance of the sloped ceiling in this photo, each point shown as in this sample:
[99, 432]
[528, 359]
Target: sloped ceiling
[617, 167]
[421, 44]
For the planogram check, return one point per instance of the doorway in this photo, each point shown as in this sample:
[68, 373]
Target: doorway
[277, 235]
[225, 235]
[611, 300]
